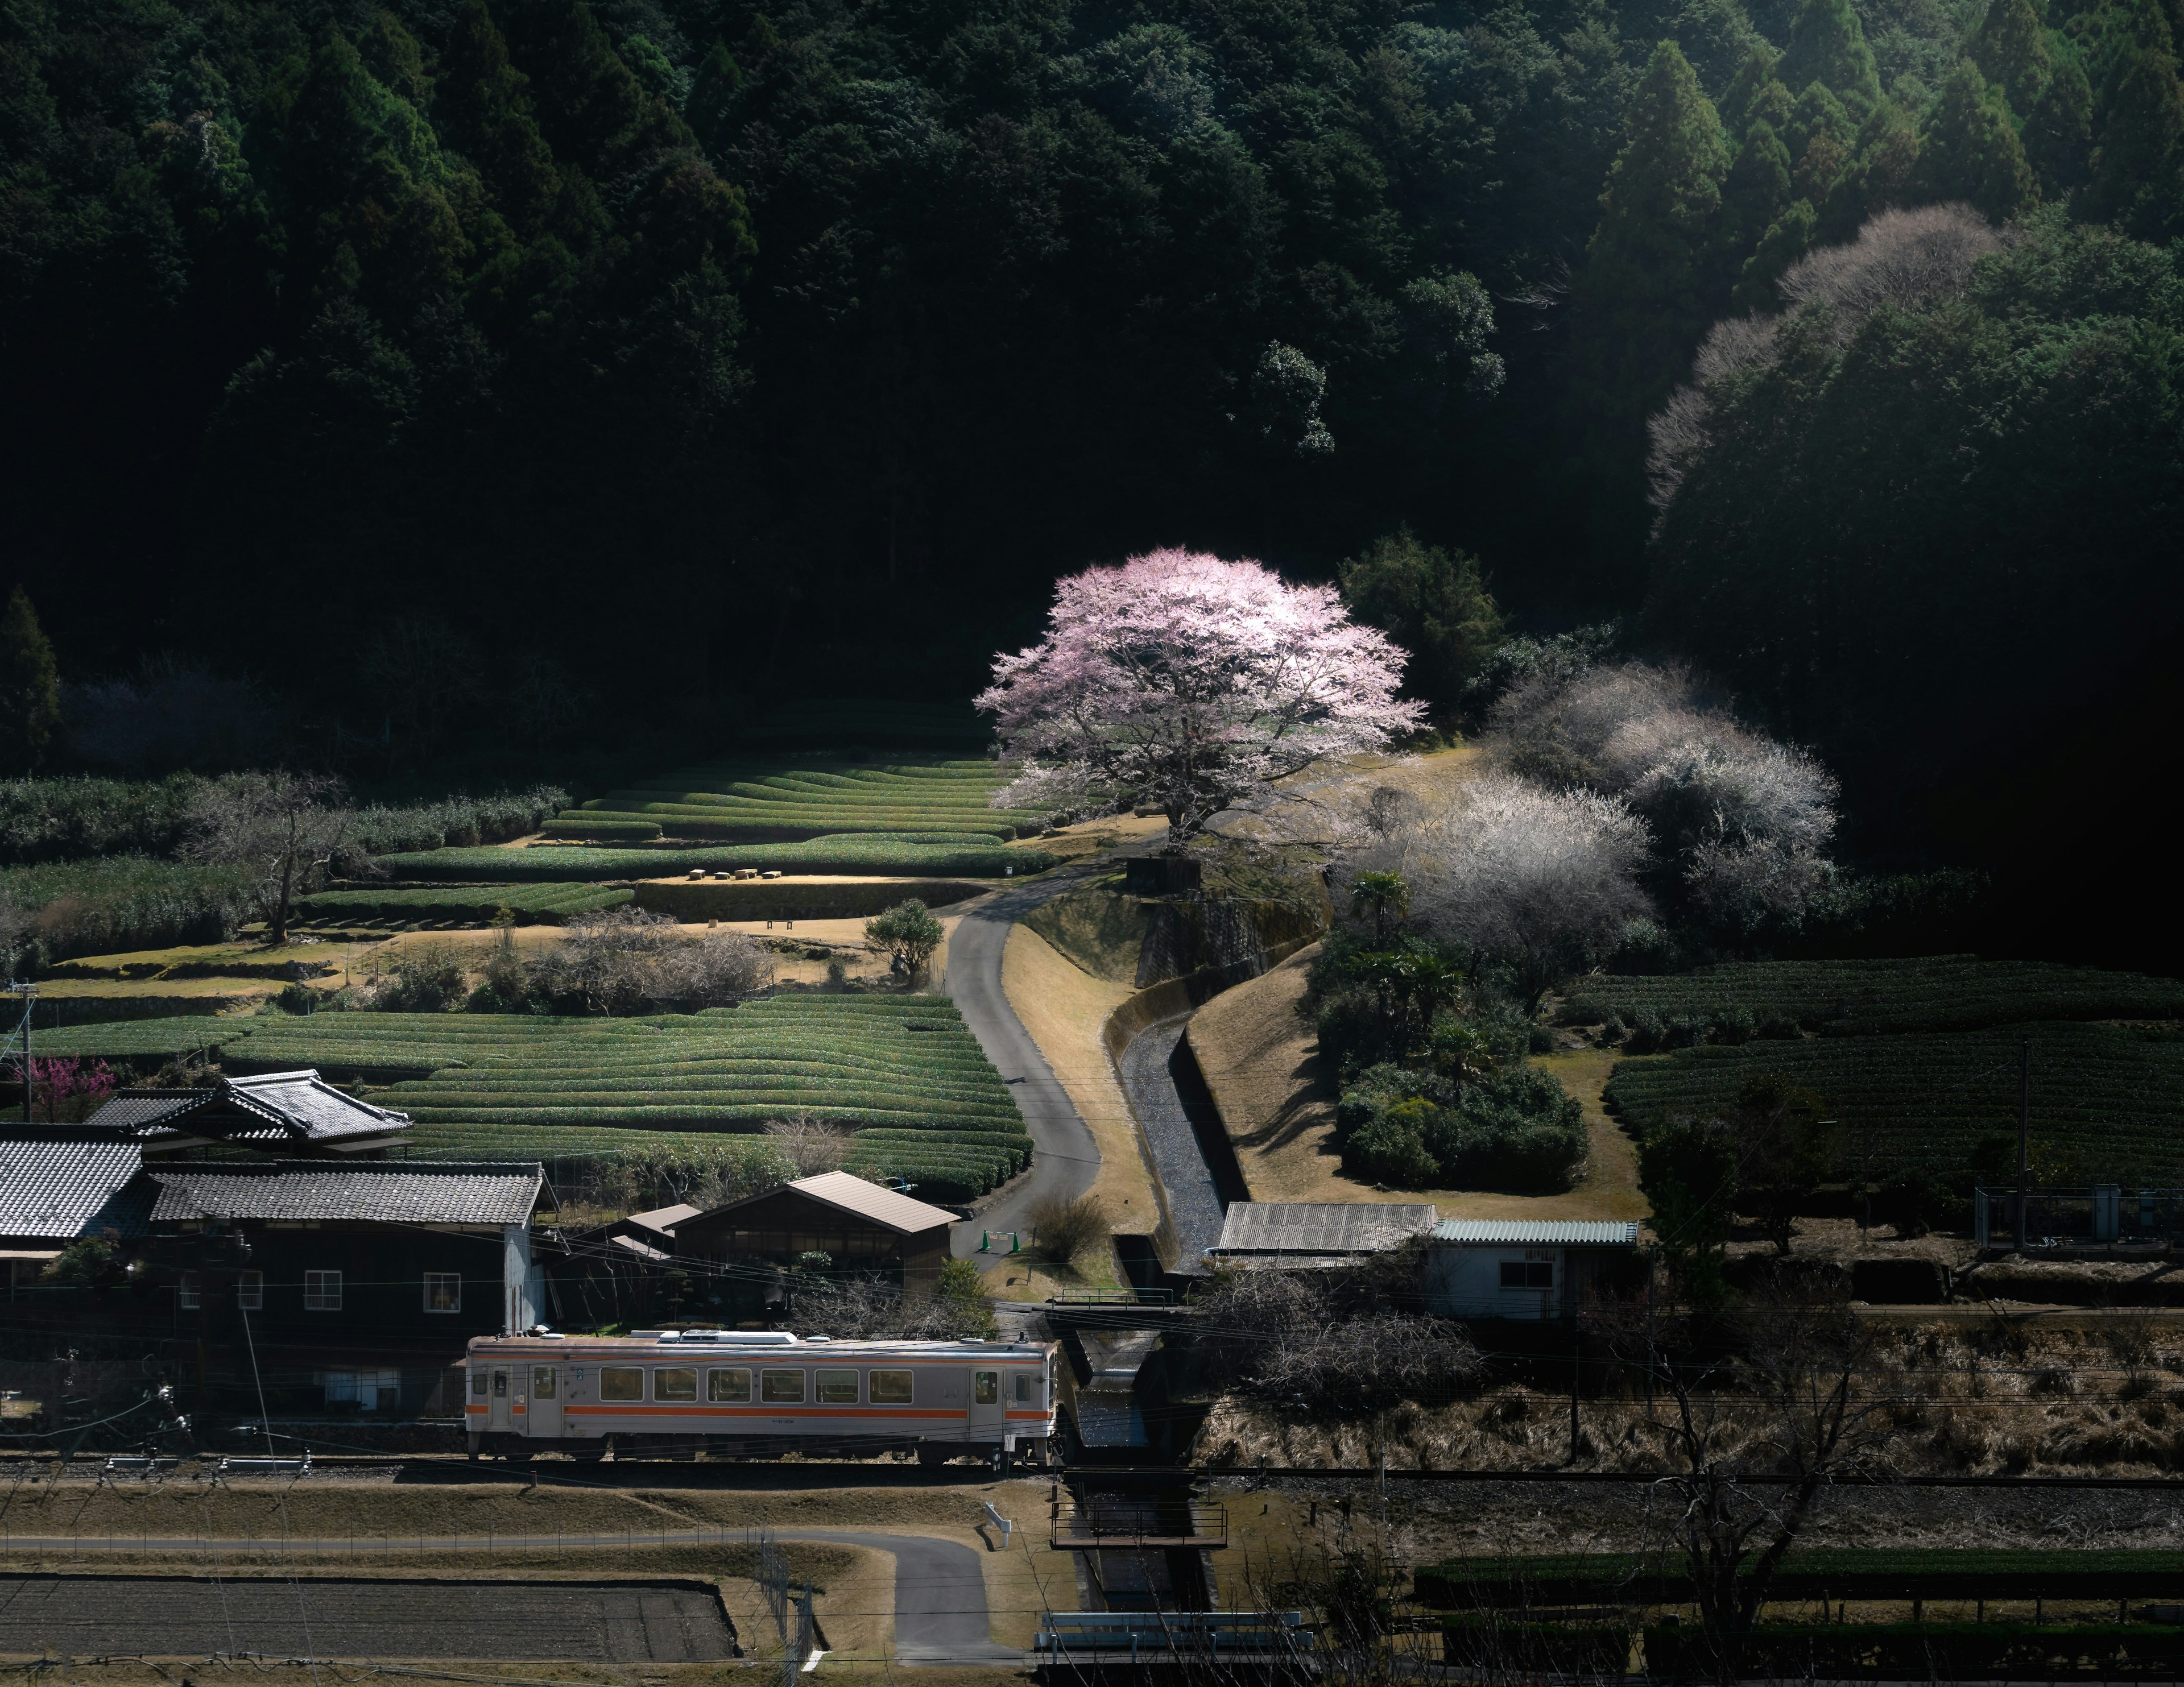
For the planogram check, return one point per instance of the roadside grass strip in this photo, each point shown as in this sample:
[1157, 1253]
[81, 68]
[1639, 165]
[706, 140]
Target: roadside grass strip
[761, 800]
[967, 854]
[1865, 998]
[546, 904]
[2107, 1100]
[902, 1072]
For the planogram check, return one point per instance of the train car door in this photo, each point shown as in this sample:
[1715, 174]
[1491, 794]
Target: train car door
[545, 1404]
[987, 1410]
[498, 1418]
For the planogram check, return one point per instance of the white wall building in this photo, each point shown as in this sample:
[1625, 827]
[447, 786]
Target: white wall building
[1521, 1269]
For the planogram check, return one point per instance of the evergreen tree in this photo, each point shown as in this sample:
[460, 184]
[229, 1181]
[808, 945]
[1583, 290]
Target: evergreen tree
[1435, 603]
[1755, 74]
[710, 107]
[29, 685]
[2011, 51]
[1787, 240]
[2136, 168]
[1970, 151]
[1879, 174]
[1819, 138]
[484, 109]
[1756, 191]
[1651, 284]
[2058, 130]
[1828, 46]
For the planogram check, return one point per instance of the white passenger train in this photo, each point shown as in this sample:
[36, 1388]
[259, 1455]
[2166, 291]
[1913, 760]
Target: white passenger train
[672, 1393]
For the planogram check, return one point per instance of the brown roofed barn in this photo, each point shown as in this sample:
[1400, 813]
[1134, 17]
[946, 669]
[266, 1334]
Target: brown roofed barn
[859, 1226]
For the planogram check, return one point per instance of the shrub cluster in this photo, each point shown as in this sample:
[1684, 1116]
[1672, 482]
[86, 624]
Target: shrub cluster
[1517, 1128]
[58, 910]
[66, 820]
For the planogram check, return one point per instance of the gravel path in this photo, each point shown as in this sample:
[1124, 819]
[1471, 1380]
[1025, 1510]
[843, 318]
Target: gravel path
[940, 1614]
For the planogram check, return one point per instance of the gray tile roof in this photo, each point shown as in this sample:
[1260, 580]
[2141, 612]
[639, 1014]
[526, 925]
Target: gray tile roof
[1320, 1227]
[273, 1107]
[1538, 1233]
[444, 1192]
[62, 1187]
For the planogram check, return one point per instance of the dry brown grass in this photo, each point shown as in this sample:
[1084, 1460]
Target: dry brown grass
[1260, 1060]
[1959, 1397]
[1063, 1009]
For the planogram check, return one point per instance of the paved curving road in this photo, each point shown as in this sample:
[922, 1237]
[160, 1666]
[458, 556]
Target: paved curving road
[940, 1615]
[1065, 1158]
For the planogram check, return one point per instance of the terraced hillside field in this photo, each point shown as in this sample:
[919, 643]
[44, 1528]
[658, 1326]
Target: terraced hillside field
[761, 801]
[2107, 1100]
[966, 854]
[533, 904]
[1862, 998]
[903, 1071]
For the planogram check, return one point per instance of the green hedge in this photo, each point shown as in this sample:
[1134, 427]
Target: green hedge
[1926, 1651]
[797, 899]
[532, 904]
[2108, 1099]
[906, 854]
[126, 902]
[1864, 998]
[601, 830]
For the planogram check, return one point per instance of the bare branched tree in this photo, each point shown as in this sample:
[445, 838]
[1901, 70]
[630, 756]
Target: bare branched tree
[621, 959]
[811, 1144]
[1761, 1415]
[284, 827]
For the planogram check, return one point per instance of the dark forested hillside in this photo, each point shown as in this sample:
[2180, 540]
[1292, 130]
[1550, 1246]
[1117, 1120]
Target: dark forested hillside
[351, 310]
[470, 366]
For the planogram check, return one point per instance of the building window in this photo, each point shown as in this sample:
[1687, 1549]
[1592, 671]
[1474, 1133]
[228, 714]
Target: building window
[185, 1292]
[985, 1387]
[1528, 1274]
[250, 1291]
[675, 1385]
[541, 1382]
[322, 1291]
[619, 1382]
[837, 1388]
[443, 1291]
[1026, 1389]
[728, 1386]
[369, 1390]
[893, 1388]
[781, 1388]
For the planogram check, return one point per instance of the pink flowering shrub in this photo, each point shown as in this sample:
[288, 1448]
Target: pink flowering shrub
[1183, 683]
[68, 1091]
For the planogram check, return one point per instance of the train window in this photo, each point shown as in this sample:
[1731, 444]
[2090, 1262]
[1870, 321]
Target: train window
[500, 1384]
[1026, 1389]
[781, 1388]
[1528, 1274]
[727, 1385]
[675, 1385]
[892, 1387]
[541, 1382]
[619, 1382]
[837, 1388]
[986, 1388]
[477, 1384]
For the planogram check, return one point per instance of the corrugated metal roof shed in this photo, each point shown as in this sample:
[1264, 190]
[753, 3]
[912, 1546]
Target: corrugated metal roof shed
[390, 1193]
[62, 1187]
[1538, 1233]
[1320, 1227]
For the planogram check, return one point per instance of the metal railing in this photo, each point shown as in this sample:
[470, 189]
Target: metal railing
[1150, 1634]
[1111, 1297]
[1106, 1524]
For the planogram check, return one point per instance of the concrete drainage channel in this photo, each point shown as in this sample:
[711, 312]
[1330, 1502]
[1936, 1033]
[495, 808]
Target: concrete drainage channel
[659, 1621]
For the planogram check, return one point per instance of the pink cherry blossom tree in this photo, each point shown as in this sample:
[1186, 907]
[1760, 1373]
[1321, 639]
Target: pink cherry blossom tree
[1183, 683]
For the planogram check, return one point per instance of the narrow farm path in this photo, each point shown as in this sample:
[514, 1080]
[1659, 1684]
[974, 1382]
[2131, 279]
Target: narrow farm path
[1065, 1154]
[940, 1614]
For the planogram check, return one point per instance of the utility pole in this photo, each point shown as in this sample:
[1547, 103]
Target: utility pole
[28, 995]
[2023, 1131]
